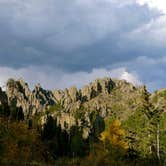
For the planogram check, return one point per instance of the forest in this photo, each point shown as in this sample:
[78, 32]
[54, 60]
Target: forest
[133, 132]
[24, 142]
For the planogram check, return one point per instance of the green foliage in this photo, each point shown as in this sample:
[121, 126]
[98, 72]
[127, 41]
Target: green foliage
[163, 134]
[137, 127]
[78, 146]
[137, 121]
[98, 125]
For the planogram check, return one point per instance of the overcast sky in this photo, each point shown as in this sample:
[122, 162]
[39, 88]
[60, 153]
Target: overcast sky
[61, 43]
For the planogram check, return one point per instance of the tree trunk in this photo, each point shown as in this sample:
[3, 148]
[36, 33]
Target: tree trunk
[158, 142]
[150, 147]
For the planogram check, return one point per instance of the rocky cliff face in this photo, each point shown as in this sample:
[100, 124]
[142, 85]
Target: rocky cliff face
[97, 95]
[19, 94]
[85, 94]
[74, 106]
[32, 102]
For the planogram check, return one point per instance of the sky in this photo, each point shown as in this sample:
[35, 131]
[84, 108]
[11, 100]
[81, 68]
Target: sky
[61, 43]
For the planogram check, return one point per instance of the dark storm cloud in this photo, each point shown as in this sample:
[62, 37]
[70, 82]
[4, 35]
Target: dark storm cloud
[80, 40]
[72, 35]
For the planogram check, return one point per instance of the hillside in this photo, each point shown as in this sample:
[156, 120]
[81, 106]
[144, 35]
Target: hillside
[71, 121]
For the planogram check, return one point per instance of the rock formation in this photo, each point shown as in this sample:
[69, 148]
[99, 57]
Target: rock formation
[19, 94]
[74, 106]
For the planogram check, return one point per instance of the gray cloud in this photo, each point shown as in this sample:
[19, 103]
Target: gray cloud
[151, 70]
[82, 38]
[58, 79]
[63, 33]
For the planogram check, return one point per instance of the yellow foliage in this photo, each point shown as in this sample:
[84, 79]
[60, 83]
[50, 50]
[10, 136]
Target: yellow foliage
[115, 135]
[104, 135]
